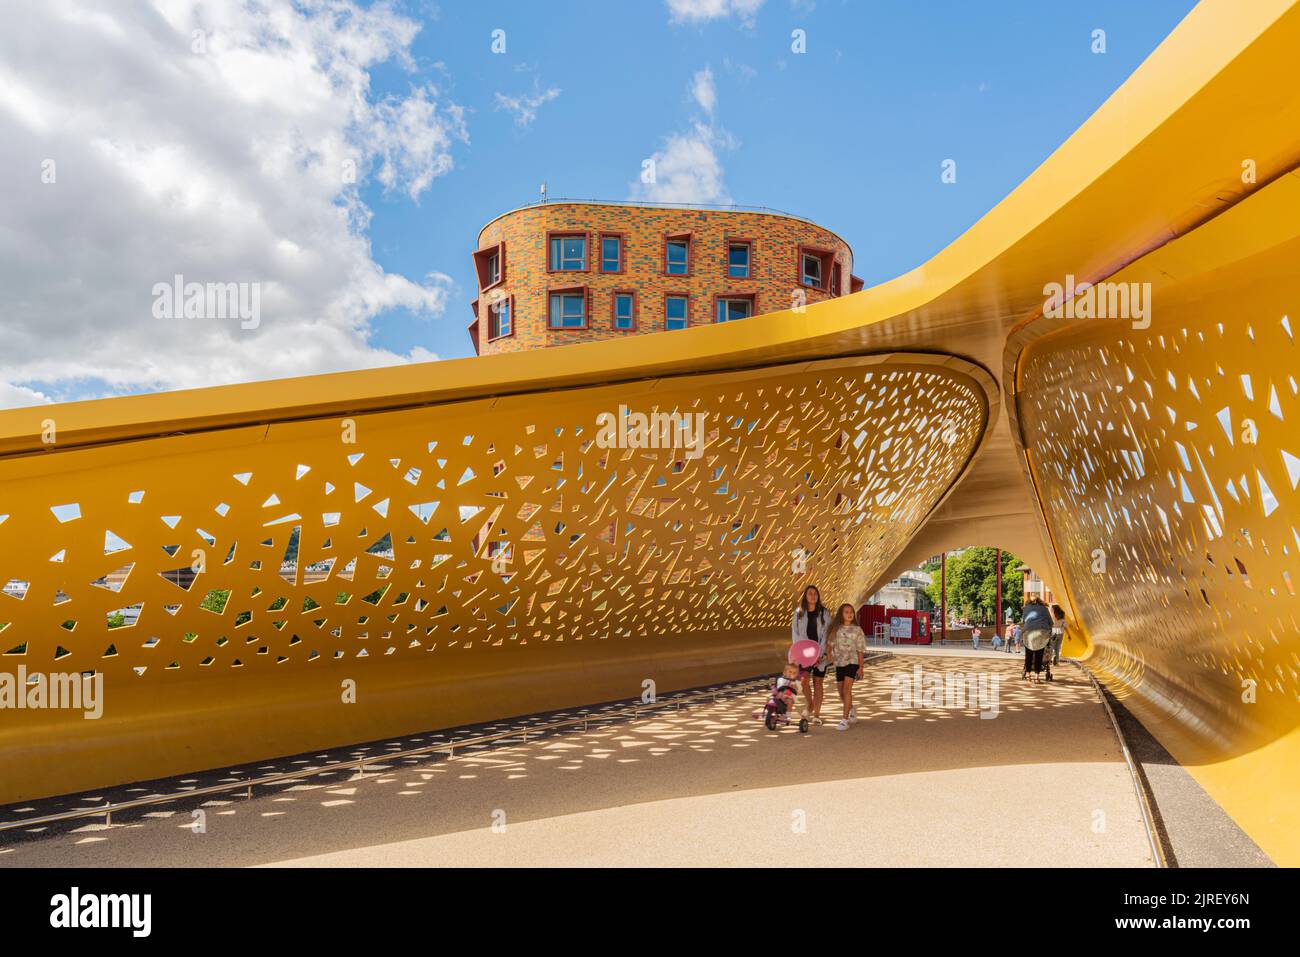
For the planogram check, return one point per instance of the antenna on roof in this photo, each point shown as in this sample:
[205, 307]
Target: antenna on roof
[543, 192]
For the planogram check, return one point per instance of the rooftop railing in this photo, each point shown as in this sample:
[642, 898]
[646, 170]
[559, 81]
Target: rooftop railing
[725, 207]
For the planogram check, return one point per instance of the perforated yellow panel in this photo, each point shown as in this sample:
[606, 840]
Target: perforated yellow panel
[1168, 460]
[449, 539]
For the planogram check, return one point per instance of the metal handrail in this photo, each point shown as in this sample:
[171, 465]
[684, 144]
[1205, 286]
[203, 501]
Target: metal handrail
[359, 764]
[664, 204]
[1148, 821]
[633, 203]
[1148, 817]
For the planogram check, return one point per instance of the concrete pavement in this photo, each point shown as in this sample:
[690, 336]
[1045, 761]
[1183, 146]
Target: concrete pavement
[1042, 783]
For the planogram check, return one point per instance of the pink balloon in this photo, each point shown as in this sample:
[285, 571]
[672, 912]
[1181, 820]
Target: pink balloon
[805, 653]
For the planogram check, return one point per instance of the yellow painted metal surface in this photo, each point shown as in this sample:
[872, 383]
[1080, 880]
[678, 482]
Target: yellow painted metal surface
[1151, 187]
[452, 563]
[1167, 460]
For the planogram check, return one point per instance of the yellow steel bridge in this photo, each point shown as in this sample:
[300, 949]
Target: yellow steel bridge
[451, 542]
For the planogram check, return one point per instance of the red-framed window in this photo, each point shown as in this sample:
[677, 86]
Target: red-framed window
[567, 308]
[730, 306]
[490, 264]
[624, 310]
[501, 317]
[813, 267]
[677, 310]
[739, 262]
[613, 252]
[837, 280]
[568, 251]
[678, 254]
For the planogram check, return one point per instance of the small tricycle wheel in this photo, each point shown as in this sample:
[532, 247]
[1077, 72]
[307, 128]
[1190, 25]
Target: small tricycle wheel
[803, 725]
[770, 721]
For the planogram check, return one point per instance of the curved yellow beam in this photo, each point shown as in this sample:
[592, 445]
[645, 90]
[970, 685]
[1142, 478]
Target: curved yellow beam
[1143, 169]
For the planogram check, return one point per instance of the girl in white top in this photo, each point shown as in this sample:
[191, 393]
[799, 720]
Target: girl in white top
[845, 646]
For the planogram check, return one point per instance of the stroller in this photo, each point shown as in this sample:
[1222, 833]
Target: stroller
[776, 712]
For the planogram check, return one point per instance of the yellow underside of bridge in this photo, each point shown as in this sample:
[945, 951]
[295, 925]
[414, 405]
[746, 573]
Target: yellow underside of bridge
[1149, 470]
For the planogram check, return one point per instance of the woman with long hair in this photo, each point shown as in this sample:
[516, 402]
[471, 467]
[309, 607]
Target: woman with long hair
[845, 646]
[1058, 636]
[811, 621]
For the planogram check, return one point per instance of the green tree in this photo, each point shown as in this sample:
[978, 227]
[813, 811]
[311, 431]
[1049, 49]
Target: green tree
[215, 600]
[972, 585]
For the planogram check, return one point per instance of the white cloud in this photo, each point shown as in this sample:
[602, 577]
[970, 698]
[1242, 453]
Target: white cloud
[702, 11]
[688, 169]
[703, 90]
[225, 155]
[524, 106]
[14, 396]
[742, 70]
[411, 138]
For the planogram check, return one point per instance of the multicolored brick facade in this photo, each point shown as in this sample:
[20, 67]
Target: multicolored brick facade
[521, 242]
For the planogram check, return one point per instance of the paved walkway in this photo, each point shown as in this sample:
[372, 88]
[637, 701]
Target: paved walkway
[1042, 783]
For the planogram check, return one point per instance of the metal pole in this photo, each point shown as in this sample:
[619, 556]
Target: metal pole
[997, 625]
[943, 598]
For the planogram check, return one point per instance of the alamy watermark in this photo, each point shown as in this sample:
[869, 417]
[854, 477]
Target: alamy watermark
[1102, 300]
[654, 430]
[133, 912]
[71, 691]
[922, 690]
[179, 299]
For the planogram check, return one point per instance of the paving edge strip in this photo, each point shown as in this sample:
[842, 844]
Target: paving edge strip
[1146, 801]
[1192, 828]
[1195, 828]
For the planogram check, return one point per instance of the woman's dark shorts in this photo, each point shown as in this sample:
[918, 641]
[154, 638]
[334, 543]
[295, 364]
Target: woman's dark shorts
[846, 671]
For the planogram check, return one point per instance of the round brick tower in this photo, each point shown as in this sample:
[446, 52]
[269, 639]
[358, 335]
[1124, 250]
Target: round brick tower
[566, 271]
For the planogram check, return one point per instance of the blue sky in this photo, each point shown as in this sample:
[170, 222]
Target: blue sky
[850, 133]
[211, 138]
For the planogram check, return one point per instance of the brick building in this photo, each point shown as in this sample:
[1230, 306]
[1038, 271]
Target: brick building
[569, 271]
